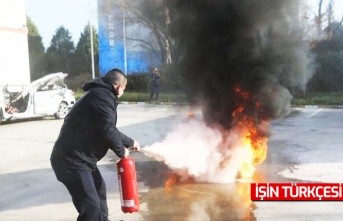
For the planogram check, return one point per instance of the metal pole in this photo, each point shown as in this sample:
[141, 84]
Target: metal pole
[124, 37]
[91, 35]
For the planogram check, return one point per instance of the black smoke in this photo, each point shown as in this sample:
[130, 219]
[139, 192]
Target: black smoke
[252, 45]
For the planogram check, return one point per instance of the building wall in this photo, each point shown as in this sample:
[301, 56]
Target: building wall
[14, 55]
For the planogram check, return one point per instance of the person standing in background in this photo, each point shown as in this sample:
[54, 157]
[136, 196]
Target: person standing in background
[155, 85]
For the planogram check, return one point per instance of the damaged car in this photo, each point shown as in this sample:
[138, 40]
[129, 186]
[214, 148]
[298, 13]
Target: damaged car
[47, 96]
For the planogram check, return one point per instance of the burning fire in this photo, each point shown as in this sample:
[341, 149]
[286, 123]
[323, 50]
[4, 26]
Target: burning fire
[254, 145]
[170, 181]
[253, 142]
[249, 139]
[190, 115]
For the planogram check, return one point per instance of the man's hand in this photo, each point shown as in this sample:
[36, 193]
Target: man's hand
[127, 152]
[136, 147]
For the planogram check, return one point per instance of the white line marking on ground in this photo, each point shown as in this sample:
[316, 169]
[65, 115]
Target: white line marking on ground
[314, 113]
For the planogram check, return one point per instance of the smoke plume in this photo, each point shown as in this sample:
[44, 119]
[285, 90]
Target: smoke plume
[253, 45]
[242, 55]
[196, 151]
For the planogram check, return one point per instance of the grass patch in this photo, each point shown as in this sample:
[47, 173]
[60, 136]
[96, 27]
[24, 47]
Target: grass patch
[310, 99]
[143, 97]
[320, 99]
[78, 94]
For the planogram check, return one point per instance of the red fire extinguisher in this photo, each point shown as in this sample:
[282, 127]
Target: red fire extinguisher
[128, 185]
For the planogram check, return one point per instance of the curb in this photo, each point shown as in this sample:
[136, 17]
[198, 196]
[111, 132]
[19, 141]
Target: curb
[151, 103]
[175, 103]
[318, 106]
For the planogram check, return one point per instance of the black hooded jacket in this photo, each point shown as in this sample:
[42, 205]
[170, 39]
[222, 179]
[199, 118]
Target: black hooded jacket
[89, 129]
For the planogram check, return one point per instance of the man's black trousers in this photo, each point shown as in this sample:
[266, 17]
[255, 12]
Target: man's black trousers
[88, 192]
[155, 90]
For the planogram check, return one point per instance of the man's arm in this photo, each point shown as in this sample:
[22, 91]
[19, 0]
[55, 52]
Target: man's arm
[105, 126]
[128, 142]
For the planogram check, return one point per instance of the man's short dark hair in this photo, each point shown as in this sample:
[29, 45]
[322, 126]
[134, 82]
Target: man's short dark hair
[116, 77]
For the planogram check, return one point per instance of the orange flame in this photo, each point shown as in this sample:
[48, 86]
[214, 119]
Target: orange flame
[239, 109]
[170, 181]
[253, 143]
[190, 115]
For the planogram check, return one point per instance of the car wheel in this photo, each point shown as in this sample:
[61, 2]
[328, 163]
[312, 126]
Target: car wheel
[62, 111]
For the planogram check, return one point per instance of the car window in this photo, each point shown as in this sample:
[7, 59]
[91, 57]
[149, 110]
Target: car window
[48, 87]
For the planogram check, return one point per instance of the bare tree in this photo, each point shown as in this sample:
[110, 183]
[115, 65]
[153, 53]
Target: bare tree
[319, 17]
[326, 15]
[147, 26]
[330, 10]
[155, 16]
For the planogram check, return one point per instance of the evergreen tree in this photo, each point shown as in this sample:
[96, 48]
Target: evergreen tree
[82, 57]
[36, 51]
[329, 59]
[60, 52]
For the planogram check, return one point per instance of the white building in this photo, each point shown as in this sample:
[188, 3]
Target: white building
[14, 55]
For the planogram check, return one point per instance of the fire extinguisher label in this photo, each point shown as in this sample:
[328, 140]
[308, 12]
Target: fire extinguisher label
[128, 203]
[120, 190]
[125, 203]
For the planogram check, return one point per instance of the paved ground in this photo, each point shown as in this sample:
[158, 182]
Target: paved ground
[306, 146]
[28, 188]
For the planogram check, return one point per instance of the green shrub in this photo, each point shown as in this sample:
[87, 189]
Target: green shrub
[75, 82]
[138, 82]
[145, 97]
[171, 78]
[78, 94]
[320, 99]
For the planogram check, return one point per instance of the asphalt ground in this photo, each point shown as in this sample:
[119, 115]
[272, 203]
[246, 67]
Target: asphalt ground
[28, 188]
[305, 146]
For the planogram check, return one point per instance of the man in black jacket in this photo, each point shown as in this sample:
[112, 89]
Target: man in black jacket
[87, 133]
[155, 85]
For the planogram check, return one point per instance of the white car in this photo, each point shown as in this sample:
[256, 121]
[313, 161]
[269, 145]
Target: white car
[47, 96]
